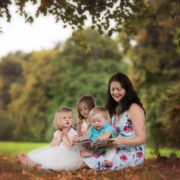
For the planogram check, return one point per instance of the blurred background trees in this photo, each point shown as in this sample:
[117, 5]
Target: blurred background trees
[75, 13]
[33, 85]
[40, 82]
[155, 67]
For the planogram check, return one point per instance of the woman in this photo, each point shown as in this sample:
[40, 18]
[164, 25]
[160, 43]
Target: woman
[127, 119]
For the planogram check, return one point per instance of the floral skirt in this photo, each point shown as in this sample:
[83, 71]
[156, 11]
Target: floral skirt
[125, 156]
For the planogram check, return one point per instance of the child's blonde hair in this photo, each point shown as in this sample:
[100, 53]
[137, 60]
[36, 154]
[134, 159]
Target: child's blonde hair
[96, 110]
[99, 109]
[57, 123]
[89, 100]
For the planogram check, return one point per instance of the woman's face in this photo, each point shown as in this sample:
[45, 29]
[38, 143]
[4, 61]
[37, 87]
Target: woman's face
[117, 91]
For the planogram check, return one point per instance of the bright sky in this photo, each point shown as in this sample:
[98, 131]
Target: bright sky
[44, 33]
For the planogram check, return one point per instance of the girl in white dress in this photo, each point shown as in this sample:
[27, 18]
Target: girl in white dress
[84, 105]
[60, 154]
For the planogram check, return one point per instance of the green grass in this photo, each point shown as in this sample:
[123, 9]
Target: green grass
[19, 147]
[163, 152]
[25, 147]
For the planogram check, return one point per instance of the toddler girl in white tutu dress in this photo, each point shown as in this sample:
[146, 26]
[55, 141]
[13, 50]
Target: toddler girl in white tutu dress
[61, 154]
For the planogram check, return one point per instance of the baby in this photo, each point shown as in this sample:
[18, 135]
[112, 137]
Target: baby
[99, 130]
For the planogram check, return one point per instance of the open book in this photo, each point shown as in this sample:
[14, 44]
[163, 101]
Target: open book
[88, 144]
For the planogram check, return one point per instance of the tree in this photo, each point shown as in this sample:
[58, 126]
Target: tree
[29, 98]
[79, 71]
[7, 126]
[10, 72]
[53, 78]
[76, 12]
[101, 59]
[155, 67]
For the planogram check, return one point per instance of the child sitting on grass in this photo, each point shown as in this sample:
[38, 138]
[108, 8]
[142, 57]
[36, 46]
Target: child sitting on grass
[84, 106]
[99, 130]
[61, 154]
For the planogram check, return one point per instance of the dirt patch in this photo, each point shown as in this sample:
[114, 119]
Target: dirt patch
[152, 169]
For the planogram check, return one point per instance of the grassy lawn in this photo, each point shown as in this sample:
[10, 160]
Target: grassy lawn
[25, 147]
[19, 147]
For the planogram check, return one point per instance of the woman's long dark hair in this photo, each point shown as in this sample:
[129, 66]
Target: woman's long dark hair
[129, 98]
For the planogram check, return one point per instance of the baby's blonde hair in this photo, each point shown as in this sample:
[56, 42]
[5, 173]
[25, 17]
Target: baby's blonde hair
[96, 110]
[58, 124]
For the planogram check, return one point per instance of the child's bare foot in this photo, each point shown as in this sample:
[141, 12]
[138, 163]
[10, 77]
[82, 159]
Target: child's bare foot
[21, 160]
[85, 154]
[107, 163]
[24, 161]
[37, 167]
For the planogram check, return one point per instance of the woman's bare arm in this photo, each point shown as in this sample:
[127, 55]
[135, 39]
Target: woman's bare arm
[136, 115]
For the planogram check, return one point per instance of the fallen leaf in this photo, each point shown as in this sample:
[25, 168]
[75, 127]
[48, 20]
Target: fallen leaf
[79, 176]
[27, 173]
[5, 158]
[105, 178]
[135, 177]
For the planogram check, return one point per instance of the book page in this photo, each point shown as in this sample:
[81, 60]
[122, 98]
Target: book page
[107, 142]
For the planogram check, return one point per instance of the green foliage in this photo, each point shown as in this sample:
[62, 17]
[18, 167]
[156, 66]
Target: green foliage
[10, 71]
[46, 80]
[7, 126]
[155, 67]
[30, 97]
[79, 72]
[33, 86]
[75, 13]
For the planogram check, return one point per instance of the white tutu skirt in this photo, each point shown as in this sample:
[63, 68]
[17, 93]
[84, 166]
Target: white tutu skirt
[57, 158]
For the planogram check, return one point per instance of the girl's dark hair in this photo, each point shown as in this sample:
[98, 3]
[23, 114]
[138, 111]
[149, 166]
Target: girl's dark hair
[129, 98]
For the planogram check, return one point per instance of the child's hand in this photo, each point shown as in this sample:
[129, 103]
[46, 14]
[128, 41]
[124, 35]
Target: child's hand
[64, 132]
[75, 139]
[100, 138]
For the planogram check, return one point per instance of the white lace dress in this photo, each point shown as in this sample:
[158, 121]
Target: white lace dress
[58, 157]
